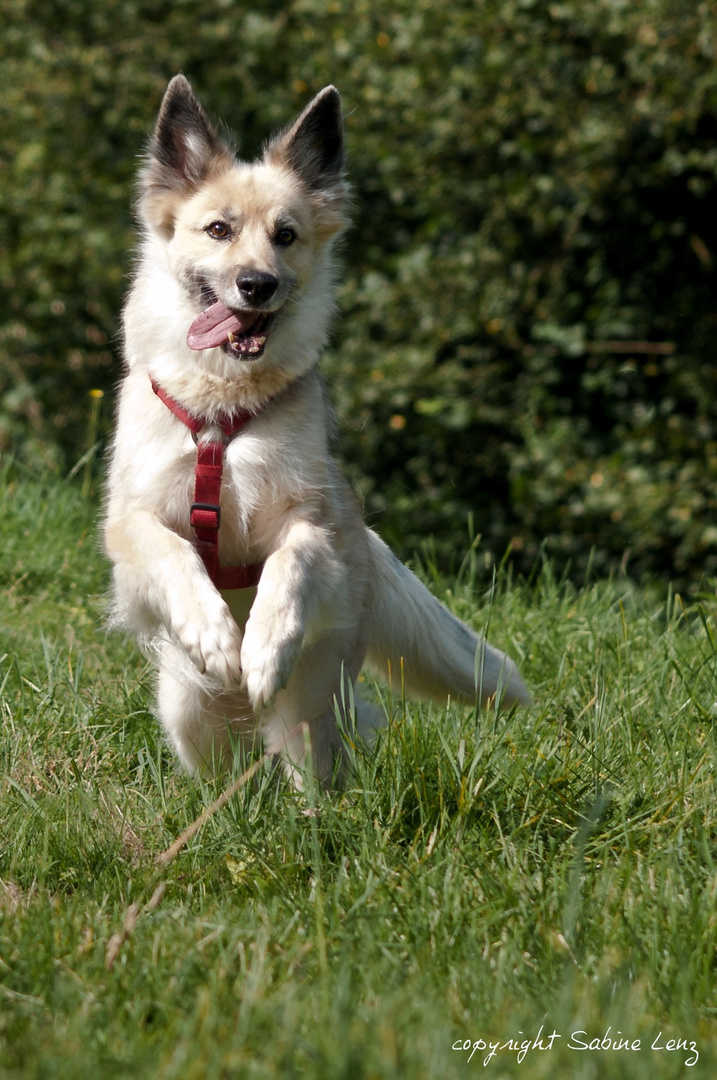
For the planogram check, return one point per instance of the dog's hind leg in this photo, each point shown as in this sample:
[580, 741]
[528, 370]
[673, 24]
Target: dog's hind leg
[206, 728]
[303, 722]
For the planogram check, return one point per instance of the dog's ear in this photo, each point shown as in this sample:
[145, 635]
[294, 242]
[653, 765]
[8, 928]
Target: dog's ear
[183, 151]
[314, 144]
[313, 148]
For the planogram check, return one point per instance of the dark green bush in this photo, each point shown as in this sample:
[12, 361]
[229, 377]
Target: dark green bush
[530, 283]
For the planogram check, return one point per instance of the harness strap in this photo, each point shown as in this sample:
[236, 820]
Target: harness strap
[230, 423]
[205, 513]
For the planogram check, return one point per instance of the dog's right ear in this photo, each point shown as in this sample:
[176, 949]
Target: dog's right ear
[184, 150]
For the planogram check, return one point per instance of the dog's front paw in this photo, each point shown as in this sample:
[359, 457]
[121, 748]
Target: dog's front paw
[268, 659]
[212, 640]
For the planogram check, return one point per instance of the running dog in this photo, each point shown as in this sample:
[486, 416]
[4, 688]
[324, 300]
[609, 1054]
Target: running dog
[240, 555]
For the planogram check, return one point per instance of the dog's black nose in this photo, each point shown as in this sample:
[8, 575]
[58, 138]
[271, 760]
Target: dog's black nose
[256, 286]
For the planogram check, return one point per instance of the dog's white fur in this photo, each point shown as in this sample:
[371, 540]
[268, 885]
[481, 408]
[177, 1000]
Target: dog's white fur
[276, 659]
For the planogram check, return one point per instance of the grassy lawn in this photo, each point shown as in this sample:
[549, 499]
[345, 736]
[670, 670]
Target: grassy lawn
[485, 885]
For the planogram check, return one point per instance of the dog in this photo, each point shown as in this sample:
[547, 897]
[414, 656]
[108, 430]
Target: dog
[240, 556]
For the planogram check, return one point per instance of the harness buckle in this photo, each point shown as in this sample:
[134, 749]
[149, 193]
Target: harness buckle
[205, 515]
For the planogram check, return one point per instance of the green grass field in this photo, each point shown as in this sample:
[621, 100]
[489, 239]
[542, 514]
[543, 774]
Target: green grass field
[485, 885]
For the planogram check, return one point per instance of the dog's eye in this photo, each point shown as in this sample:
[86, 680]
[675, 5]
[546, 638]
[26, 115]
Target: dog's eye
[285, 237]
[218, 230]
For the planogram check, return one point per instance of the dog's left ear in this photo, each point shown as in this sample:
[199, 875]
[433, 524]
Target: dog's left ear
[314, 144]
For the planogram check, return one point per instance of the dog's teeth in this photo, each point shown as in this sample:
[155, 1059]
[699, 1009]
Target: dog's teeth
[260, 340]
[231, 338]
[255, 349]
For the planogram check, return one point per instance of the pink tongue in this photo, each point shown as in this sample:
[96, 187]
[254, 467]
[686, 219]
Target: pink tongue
[214, 325]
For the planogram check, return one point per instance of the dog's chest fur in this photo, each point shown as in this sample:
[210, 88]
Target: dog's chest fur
[276, 463]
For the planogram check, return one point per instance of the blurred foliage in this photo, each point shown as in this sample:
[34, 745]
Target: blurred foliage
[529, 300]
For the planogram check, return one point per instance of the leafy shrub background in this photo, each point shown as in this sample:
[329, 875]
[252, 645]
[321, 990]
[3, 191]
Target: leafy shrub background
[529, 300]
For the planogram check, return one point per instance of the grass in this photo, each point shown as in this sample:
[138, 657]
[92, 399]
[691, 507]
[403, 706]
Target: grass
[482, 877]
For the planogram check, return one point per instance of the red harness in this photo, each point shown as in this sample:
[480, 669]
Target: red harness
[205, 513]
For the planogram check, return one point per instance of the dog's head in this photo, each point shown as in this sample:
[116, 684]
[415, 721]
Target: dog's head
[247, 242]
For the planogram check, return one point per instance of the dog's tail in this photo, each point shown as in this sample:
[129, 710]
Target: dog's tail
[413, 638]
